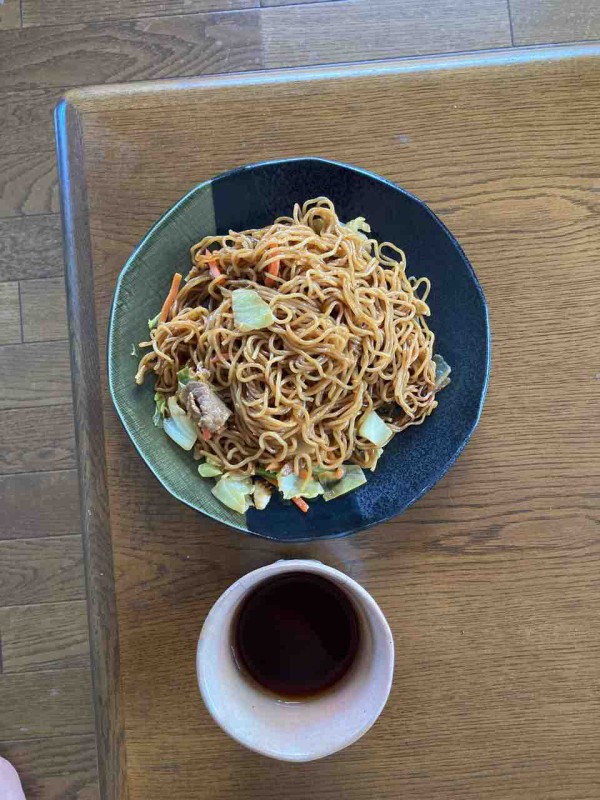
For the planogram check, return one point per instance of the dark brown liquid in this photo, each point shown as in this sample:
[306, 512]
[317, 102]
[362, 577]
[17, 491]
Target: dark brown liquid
[296, 634]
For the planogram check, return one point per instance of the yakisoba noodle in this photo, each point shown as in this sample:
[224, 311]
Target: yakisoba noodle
[349, 336]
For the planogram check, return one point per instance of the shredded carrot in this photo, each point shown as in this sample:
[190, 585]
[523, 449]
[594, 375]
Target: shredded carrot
[213, 267]
[164, 312]
[339, 474]
[206, 434]
[273, 268]
[301, 503]
[303, 474]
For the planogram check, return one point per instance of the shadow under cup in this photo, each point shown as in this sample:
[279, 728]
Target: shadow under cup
[306, 729]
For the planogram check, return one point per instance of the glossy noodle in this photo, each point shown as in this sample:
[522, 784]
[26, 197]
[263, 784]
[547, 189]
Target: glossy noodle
[349, 336]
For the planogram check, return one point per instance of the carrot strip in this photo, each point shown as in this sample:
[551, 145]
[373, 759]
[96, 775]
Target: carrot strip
[301, 503]
[273, 268]
[164, 312]
[213, 266]
[303, 474]
[206, 434]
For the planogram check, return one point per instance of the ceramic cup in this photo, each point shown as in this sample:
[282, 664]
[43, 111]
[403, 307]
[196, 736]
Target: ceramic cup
[303, 730]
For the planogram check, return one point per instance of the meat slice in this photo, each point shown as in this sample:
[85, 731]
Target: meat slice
[204, 405]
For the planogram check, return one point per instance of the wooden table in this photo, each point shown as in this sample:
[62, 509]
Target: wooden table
[490, 582]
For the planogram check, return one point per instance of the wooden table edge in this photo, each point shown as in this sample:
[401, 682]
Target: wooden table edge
[83, 97]
[98, 558]
[97, 546]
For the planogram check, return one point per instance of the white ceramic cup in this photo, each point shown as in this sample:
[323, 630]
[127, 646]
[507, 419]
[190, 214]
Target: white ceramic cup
[307, 729]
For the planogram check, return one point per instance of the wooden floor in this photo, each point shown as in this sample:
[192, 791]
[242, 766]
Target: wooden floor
[46, 719]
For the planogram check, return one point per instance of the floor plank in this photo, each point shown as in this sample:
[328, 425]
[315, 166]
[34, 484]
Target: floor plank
[10, 15]
[552, 21]
[267, 3]
[101, 52]
[59, 703]
[28, 182]
[52, 448]
[368, 29]
[27, 119]
[10, 315]
[39, 504]
[43, 305]
[40, 571]
[47, 636]
[65, 12]
[31, 247]
[33, 375]
[58, 768]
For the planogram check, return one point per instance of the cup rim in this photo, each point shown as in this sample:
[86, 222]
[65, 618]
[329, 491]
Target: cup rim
[355, 590]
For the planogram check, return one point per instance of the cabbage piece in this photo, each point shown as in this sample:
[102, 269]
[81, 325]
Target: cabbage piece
[234, 492]
[373, 428]
[182, 430]
[152, 323]
[134, 350]
[184, 376]
[262, 495]
[250, 311]
[442, 372]
[160, 410]
[208, 470]
[294, 486]
[353, 478]
[359, 225]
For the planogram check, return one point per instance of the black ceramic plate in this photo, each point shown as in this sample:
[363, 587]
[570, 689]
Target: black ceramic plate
[252, 197]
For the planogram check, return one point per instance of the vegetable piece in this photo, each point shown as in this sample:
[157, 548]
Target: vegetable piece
[208, 470]
[442, 372]
[331, 476]
[160, 410]
[266, 473]
[262, 495]
[234, 491]
[353, 478]
[373, 428]
[134, 351]
[175, 283]
[213, 267]
[206, 434]
[293, 485]
[182, 430]
[250, 311]
[184, 376]
[359, 225]
[175, 410]
[152, 323]
[273, 268]
[302, 504]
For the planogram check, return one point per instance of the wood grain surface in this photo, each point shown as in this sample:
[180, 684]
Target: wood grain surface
[33, 375]
[30, 247]
[57, 698]
[43, 310]
[62, 12]
[10, 14]
[56, 768]
[41, 570]
[490, 582]
[53, 447]
[10, 316]
[55, 511]
[99, 52]
[44, 637]
[536, 21]
[26, 116]
[27, 183]
[328, 33]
